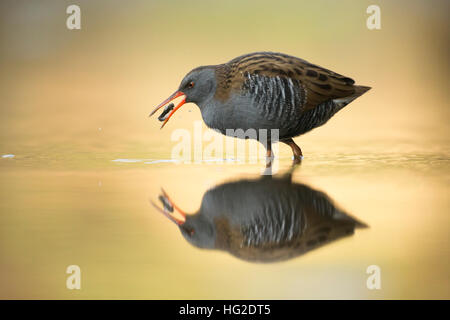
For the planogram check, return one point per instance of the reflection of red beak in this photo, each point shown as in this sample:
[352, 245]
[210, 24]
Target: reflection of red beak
[167, 213]
[172, 97]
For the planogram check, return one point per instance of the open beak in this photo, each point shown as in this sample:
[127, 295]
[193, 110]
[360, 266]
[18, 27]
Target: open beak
[168, 207]
[172, 97]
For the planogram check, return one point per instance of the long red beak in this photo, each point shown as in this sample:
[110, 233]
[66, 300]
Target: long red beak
[172, 97]
[168, 213]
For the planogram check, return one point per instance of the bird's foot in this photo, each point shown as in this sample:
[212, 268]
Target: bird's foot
[296, 160]
[269, 162]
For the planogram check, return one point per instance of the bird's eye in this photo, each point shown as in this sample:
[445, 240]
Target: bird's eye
[191, 84]
[189, 231]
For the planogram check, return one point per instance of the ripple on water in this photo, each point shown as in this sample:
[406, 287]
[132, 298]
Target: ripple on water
[155, 161]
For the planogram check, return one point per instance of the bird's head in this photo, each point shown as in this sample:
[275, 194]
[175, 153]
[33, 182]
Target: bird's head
[198, 86]
[195, 228]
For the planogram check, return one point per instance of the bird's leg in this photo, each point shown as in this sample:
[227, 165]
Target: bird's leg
[269, 159]
[269, 155]
[298, 155]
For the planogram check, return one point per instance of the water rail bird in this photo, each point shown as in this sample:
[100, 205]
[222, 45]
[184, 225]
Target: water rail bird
[265, 90]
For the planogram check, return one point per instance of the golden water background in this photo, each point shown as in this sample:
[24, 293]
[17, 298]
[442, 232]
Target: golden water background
[73, 101]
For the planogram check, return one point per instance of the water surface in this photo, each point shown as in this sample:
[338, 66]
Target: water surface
[96, 214]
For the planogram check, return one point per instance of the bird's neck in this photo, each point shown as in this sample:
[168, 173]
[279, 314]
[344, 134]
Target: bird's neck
[212, 115]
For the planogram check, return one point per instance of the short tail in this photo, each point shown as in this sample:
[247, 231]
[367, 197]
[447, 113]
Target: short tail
[359, 91]
[340, 215]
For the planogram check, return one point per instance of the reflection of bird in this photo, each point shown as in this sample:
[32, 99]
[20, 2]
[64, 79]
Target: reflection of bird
[265, 90]
[266, 220]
